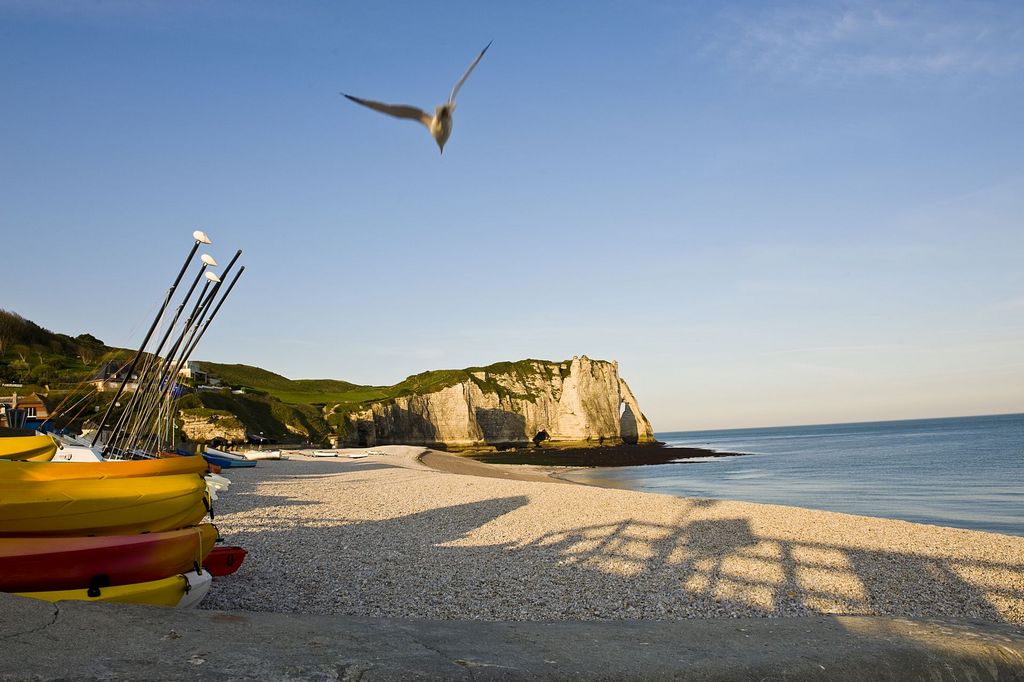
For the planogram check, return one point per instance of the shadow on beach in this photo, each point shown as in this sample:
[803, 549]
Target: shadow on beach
[490, 560]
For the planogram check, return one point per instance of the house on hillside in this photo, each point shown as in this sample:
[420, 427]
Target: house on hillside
[110, 376]
[37, 409]
[192, 371]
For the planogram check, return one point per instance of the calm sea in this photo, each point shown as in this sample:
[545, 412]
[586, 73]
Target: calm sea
[966, 472]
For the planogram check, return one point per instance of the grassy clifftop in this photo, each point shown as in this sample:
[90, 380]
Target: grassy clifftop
[295, 391]
[318, 406]
[278, 407]
[348, 395]
[334, 399]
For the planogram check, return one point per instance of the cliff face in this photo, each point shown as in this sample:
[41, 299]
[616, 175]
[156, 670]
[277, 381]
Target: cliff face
[579, 402]
[203, 426]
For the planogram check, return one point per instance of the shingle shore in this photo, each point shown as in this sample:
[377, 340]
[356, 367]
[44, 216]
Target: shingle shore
[386, 536]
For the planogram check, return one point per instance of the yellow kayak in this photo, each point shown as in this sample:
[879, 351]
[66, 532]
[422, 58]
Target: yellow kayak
[116, 506]
[166, 592]
[129, 468]
[30, 448]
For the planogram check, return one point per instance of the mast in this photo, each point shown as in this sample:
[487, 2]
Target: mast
[200, 238]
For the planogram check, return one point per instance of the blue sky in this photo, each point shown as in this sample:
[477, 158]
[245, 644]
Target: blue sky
[767, 213]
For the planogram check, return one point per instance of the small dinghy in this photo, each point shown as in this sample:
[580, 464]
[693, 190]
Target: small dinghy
[253, 455]
[227, 462]
[357, 455]
[325, 453]
[224, 454]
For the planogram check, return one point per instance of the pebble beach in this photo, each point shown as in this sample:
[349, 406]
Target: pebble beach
[390, 536]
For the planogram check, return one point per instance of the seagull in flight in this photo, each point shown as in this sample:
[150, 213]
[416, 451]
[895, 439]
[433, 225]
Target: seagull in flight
[440, 124]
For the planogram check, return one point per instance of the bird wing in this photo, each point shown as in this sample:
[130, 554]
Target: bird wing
[396, 110]
[455, 90]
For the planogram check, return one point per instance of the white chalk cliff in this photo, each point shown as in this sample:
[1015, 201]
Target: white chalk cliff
[579, 402]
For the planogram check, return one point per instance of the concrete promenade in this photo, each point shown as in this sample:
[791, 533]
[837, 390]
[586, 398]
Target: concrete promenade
[71, 640]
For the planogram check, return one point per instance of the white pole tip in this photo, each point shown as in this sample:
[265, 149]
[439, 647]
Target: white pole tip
[212, 277]
[200, 237]
[208, 259]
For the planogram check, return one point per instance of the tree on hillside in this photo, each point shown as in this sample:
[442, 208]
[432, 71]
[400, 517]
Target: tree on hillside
[89, 348]
[15, 329]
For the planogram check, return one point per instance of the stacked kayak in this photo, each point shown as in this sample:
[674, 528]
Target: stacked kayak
[64, 563]
[106, 506]
[132, 468]
[122, 531]
[92, 465]
[28, 448]
[185, 590]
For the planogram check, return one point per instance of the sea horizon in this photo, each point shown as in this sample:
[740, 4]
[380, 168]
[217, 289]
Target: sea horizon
[962, 472]
[850, 423]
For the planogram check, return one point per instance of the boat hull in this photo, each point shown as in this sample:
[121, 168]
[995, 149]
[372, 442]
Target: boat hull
[255, 455]
[68, 563]
[224, 454]
[228, 463]
[78, 453]
[117, 506]
[165, 592]
[224, 560]
[28, 448]
[198, 586]
[129, 468]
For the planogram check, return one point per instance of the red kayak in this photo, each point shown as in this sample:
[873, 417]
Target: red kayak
[224, 560]
[70, 563]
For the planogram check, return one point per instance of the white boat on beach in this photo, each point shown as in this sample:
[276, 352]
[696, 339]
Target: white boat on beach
[261, 454]
[77, 453]
[224, 453]
[325, 453]
[357, 455]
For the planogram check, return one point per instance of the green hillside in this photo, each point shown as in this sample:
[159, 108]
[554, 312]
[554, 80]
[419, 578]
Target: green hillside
[345, 396]
[335, 399]
[295, 391]
[274, 405]
[35, 357]
[54, 365]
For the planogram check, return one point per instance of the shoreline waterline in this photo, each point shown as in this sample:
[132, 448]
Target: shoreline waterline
[467, 465]
[963, 472]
